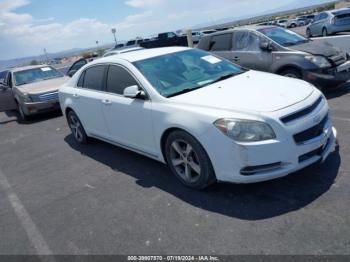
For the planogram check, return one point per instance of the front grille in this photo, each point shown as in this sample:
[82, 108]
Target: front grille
[302, 112]
[317, 152]
[48, 97]
[338, 59]
[312, 132]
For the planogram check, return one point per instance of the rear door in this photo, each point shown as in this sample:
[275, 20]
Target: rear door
[88, 98]
[317, 25]
[247, 51]
[221, 45]
[129, 120]
[7, 100]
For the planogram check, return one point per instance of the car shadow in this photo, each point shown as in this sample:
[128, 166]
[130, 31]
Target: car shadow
[14, 117]
[341, 91]
[246, 202]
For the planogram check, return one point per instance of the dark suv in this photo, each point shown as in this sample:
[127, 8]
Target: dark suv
[281, 51]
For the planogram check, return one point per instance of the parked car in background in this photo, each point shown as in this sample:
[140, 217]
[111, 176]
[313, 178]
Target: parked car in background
[133, 43]
[31, 90]
[307, 18]
[208, 32]
[202, 115]
[166, 39]
[119, 46]
[121, 51]
[282, 22]
[295, 23]
[196, 36]
[330, 22]
[281, 51]
[2, 76]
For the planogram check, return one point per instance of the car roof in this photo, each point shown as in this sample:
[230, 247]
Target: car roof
[141, 54]
[249, 27]
[23, 68]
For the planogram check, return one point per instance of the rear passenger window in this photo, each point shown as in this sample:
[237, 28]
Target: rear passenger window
[93, 78]
[118, 79]
[81, 80]
[246, 41]
[221, 42]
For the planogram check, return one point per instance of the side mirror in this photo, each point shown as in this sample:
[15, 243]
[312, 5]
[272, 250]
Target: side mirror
[266, 46]
[71, 73]
[134, 92]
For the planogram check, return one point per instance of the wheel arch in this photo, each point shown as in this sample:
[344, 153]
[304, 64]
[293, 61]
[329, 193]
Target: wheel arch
[283, 68]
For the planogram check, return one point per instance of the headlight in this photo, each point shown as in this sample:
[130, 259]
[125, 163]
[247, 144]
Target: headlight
[245, 130]
[320, 61]
[26, 97]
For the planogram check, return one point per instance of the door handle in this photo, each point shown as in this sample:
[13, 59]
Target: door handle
[106, 102]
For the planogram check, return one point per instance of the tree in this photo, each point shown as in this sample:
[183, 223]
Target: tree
[34, 62]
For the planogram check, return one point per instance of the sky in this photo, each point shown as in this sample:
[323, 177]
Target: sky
[29, 26]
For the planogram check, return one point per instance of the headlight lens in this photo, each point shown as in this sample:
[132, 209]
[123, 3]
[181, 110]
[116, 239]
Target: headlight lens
[245, 130]
[26, 98]
[320, 61]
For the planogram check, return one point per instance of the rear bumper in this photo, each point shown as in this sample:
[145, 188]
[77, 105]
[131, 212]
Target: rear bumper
[40, 107]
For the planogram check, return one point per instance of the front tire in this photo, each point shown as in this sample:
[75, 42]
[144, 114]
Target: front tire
[292, 73]
[188, 160]
[308, 33]
[22, 115]
[77, 128]
[324, 32]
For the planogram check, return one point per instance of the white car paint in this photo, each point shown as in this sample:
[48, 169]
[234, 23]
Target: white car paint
[138, 125]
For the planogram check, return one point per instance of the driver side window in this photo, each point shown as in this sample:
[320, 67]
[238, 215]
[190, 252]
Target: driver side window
[246, 41]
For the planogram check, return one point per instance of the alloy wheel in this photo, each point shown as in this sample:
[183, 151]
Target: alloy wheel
[185, 161]
[76, 127]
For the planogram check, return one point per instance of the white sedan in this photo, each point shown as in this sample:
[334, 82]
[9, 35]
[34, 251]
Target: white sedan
[208, 119]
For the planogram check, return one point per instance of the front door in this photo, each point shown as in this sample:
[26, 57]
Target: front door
[129, 120]
[7, 100]
[247, 51]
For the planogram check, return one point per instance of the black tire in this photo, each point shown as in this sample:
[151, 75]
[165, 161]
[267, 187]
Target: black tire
[23, 117]
[308, 33]
[324, 32]
[77, 128]
[293, 25]
[292, 73]
[196, 157]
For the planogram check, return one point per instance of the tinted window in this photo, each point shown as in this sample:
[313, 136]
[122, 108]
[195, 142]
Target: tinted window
[118, 79]
[221, 42]
[77, 65]
[323, 16]
[131, 43]
[81, 80]
[93, 78]
[246, 41]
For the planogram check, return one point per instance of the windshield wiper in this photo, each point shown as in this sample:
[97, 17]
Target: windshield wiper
[184, 91]
[224, 77]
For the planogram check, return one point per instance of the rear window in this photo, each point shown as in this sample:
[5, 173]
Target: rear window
[221, 42]
[93, 78]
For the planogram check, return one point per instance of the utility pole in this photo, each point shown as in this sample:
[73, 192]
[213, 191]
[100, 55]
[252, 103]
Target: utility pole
[47, 57]
[114, 31]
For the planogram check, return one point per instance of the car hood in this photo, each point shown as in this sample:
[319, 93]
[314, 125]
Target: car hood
[43, 86]
[317, 48]
[252, 91]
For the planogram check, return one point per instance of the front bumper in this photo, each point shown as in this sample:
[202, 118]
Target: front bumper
[266, 160]
[331, 79]
[34, 108]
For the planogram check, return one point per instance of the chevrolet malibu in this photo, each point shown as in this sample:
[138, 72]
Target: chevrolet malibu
[207, 118]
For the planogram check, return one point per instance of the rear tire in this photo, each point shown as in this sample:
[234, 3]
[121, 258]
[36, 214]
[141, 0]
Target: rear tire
[292, 73]
[77, 128]
[188, 160]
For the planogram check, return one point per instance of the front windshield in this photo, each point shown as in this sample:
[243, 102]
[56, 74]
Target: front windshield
[283, 37]
[35, 75]
[181, 72]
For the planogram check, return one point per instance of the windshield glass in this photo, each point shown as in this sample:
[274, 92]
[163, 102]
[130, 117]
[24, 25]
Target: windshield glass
[283, 37]
[35, 75]
[185, 71]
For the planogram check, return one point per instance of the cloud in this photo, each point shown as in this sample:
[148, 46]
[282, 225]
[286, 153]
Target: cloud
[143, 3]
[8, 5]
